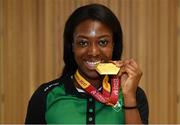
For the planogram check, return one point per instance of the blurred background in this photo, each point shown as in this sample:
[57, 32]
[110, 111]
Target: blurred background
[31, 50]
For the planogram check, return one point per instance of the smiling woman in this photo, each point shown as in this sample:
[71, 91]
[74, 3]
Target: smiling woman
[92, 36]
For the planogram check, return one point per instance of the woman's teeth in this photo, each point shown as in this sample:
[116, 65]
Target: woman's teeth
[93, 64]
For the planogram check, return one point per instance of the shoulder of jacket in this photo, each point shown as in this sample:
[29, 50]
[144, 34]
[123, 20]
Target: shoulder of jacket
[46, 87]
[141, 95]
[140, 91]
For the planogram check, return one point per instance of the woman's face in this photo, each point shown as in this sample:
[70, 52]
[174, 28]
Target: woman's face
[93, 43]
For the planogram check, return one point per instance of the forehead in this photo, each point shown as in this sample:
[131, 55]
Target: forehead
[92, 28]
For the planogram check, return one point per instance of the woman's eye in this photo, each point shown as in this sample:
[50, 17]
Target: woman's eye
[103, 43]
[82, 43]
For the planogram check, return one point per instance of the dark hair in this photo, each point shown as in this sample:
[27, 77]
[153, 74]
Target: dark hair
[94, 12]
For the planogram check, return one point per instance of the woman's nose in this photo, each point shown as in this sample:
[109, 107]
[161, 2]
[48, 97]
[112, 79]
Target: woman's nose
[93, 50]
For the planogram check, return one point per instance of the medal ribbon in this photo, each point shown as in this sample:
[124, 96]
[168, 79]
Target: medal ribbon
[108, 96]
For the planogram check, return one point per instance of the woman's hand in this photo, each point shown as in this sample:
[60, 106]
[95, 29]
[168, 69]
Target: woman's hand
[130, 75]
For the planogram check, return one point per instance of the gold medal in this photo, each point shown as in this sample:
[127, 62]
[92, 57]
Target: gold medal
[107, 69]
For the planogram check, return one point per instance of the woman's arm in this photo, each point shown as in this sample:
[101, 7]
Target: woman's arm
[130, 75]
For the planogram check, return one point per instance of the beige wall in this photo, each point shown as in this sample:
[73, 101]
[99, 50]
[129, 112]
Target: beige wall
[31, 50]
[178, 87]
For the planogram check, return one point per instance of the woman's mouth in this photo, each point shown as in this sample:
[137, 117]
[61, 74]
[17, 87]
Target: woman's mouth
[92, 64]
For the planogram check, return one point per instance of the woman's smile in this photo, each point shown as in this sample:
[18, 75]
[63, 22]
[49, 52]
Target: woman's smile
[92, 64]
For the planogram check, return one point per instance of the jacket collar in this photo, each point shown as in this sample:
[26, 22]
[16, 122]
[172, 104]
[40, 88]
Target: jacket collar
[70, 88]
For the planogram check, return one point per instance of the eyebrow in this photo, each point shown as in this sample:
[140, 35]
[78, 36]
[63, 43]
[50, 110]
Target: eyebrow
[86, 36]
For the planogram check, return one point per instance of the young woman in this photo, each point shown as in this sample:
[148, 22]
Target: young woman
[81, 95]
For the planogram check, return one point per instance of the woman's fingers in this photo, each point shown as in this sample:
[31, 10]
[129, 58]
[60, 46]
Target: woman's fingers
[118, 63]
[130, 74]
[128, 66]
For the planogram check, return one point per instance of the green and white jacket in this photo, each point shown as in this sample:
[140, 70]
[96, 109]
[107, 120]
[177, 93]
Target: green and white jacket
[59, 102]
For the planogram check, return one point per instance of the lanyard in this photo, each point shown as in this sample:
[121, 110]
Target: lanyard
[110, 93]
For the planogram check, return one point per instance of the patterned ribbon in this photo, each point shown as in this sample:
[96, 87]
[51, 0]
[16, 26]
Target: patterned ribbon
[110, 93]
